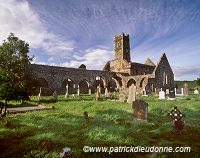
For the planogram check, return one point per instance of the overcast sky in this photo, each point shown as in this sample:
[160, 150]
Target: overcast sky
[74, 32]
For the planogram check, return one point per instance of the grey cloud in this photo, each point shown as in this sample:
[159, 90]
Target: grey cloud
[187, 70]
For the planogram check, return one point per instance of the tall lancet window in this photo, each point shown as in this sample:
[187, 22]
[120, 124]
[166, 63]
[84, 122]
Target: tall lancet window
[164, 75]
[165, 80]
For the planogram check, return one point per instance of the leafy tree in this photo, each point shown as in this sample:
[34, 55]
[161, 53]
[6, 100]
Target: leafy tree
[15, 74]
[198, 81]
[176, 85]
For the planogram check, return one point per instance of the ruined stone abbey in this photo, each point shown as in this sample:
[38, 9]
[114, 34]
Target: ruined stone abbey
[117, 75]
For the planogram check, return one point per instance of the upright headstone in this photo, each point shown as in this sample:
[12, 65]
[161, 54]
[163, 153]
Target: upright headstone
[171, 95]
[167, 91]
[55, 96]
[40, 94]
[131, 94]
[156, 91]
[122, 97]
[140, 110]
[185, 92]
[161, 95]
[144, 93]
[99, 87]
[86, 117]
[106, 93]
[67, 91]
[78, 91]
[89, 91]
[196, 91]
[97, 97]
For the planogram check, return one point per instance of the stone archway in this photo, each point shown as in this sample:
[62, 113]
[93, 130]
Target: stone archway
[42, 83]
[113, 85]
[99, 81]
[118, 82]
[143, 82]
[71, 86]
[130, 82]
[84, 86]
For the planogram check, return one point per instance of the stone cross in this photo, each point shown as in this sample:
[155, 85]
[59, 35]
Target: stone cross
[140, 110]
[177, 116]
[67, 91]
[55, 96]
[131, 94]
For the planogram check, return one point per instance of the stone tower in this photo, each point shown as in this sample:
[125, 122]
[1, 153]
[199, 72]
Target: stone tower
[122, 47]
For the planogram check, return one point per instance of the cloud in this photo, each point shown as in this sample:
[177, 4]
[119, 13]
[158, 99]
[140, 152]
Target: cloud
[182, 73]
[17, 17]
[50, 61]
[92, 58]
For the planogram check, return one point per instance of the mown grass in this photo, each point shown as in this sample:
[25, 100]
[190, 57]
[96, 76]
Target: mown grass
[46, 133]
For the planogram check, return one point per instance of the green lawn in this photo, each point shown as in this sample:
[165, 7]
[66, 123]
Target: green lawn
[46, 133]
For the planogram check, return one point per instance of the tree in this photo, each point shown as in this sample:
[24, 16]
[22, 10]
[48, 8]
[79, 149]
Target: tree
[15, 74]
[198, 81]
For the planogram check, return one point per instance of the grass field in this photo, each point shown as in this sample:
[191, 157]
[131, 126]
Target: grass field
[46, 133]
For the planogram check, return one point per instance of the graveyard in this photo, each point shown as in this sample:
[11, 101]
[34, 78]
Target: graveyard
[79, 78]
[109, 123]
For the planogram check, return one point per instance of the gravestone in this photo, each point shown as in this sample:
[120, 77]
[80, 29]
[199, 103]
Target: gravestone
[97, 97]
[131, 93]
[78, 91]
[145, 93]
[185, 91]
[140, 110]
[161, 95]
[106, 93]
[196, 91]
[67, 91]
[99, 87]
[177, 116]
[167, 91]
[55, 96]
[171, 95]
[85, 114]
[156, 92]
[40, 94]
[89, 91]
[122, 97]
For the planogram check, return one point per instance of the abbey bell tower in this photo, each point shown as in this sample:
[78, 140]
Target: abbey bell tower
[122, 47]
